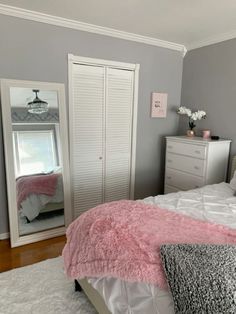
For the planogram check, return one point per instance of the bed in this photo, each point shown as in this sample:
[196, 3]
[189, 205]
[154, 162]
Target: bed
[39, 193]
[213, 203]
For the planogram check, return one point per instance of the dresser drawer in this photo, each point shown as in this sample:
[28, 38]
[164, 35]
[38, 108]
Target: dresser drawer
[198, 151]
[187, 164]
[182, 180]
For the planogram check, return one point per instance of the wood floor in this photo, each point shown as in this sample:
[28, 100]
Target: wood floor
[29, 254]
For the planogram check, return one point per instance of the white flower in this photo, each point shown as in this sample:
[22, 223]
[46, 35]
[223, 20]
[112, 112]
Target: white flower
[198, 115]
[184, 111]
[194, 116]
[202, 114]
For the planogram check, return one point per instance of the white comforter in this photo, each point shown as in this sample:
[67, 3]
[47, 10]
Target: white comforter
[214, 203]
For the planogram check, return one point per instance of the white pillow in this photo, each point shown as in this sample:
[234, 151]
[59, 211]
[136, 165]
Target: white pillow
[233, 181]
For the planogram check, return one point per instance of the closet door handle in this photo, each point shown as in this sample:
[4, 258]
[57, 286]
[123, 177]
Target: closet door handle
[100, 157]
[170, 146]
[169, 160]
[196, 167]
[168, 177]
[197, 151]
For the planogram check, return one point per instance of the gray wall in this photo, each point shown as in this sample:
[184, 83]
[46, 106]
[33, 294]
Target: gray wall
[36, 51]
[209, 82]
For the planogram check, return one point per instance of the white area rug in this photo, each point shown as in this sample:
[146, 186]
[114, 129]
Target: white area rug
[41, 288]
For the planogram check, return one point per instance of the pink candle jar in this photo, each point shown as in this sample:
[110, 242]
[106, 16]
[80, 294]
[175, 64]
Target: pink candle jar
[206, 134]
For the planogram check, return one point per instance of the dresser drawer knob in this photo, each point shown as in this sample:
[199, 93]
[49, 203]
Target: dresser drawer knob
[197, 152]
[169, 160]
[168, 177]
[196, 167]
[170, 146]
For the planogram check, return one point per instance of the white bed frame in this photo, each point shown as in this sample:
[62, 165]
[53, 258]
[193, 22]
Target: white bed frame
[93, 295]
[233, 167]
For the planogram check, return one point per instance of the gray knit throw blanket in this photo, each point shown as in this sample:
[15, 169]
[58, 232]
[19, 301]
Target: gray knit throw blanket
[202, 278]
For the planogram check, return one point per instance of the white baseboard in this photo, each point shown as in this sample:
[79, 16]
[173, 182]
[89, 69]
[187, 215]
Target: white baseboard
[4, 236]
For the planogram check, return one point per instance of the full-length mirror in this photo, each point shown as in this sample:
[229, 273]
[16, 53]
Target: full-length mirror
[36, 151]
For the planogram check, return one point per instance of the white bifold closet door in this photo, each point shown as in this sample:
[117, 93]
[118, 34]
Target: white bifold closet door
[101, 120]
[118, 135]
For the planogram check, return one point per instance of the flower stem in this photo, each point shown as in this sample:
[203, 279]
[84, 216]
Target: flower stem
[191, 124]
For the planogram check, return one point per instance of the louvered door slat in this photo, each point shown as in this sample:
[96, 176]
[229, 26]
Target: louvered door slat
[87, 136]
[119, 101]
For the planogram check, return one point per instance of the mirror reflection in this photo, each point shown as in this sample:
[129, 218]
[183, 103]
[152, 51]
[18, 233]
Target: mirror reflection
[37, 159]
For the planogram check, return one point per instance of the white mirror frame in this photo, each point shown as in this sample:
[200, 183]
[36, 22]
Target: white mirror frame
[16, 239]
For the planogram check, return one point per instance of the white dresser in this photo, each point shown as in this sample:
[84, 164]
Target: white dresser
[194, 162]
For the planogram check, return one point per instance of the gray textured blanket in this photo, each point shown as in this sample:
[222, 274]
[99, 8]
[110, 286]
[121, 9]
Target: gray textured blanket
[202, 278]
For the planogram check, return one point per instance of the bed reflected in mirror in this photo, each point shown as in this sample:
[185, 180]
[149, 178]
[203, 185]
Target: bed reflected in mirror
[36, 150]
[37, 159]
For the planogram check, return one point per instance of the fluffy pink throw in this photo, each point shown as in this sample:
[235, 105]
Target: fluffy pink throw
[37, 184]
[122, 239]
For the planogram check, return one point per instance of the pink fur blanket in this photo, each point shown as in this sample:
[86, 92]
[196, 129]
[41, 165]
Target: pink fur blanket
[122, 239]
[38, 184]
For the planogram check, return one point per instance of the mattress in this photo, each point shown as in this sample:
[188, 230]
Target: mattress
[214, 203]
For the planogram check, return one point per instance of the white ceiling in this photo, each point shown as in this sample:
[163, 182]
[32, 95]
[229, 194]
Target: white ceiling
[187, 22]
[21, 96]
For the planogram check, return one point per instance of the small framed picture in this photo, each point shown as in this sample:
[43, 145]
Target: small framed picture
[159, 105]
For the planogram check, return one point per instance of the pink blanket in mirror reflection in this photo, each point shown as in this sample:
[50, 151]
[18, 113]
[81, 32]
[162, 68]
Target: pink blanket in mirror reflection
[38, 184]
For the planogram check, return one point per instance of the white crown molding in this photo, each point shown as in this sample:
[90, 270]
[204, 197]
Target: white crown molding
[4, 236]
[63, 22]
[212, 40]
